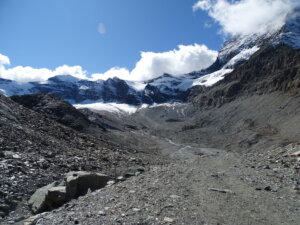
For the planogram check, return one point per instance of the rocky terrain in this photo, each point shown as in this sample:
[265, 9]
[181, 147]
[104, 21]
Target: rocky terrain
[219, 188]
[36, 151]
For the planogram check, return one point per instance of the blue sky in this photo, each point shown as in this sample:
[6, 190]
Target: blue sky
[132, 39]
[51, 33]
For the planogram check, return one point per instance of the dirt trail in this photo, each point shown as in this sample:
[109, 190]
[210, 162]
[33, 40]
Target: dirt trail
[213, 189]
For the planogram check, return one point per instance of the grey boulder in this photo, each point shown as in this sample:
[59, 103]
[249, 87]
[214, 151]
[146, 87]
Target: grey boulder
[55, 195]
[78, 183]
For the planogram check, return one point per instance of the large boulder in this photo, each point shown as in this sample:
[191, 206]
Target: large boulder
[39, 201]
[78, 183]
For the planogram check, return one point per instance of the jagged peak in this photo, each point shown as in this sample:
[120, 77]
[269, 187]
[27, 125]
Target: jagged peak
[65, 78]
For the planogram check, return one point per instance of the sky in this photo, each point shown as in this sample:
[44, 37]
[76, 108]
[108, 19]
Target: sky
[132, 39]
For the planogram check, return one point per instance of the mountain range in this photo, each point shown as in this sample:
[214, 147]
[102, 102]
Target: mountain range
[165, 88]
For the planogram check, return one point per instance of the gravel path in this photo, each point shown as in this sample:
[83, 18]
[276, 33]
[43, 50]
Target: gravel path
[212, 189]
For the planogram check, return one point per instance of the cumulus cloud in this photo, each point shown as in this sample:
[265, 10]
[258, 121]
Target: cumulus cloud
[4, 60]
[248, 16]
[101, 28]
[28, 74]
[121, 73]
[185, 59]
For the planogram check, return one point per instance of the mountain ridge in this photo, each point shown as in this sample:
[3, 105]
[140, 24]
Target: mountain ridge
[165, 88]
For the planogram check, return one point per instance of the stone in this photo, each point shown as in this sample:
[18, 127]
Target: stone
[111, 182]
[136, 210]
[296, 154]
[268, 188]
[47, 198]
[78, 183]
[120, 178]
[33, 219]
[221, 190]
[127, 175]
[174, 196]
[57, 196]
[16, 156]
[102, 213]
[168, 220]
[38, 200]
[4, 207]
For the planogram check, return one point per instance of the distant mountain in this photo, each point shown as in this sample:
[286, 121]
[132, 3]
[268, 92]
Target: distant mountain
[166, 88]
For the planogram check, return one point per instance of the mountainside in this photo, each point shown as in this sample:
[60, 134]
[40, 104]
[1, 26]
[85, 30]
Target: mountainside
[35, 150]
[54, 108]
[271, 69]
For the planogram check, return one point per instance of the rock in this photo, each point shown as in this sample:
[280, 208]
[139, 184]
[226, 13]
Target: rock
[268, 188]
[33, 219]
[127, 175]
[136, 210]
[221, 190]
[137, 173]
[168, 220]
[102, 213]
[2, 214]
[4, 207]
[267, 167]
[120, 178]
[16, 156]
[78, 183]
[296, 154]
[38, 200]
[57, 196]
[111, 182]
[174, 196]
[141, 169]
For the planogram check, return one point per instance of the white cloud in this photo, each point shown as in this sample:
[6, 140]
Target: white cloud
[185, 59]
[75, 71]
[28, 74]
[101, 28]
[122, 73]
[248, 16]
[4, 60]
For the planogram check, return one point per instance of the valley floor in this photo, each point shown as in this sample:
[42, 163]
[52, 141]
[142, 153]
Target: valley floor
[211, 188]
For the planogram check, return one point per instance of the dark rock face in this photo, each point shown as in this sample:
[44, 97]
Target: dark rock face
[271, 69]
[54, 108]
[76, 90]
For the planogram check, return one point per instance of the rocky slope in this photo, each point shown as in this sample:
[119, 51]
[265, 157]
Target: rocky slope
[35, 151]
[55, 109]
[269, 70]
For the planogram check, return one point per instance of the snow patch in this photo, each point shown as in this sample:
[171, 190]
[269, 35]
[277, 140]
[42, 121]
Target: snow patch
[136, 85]
[212, 78]
[243, 55]
[109, 107]
[83, 87]
[9, 88]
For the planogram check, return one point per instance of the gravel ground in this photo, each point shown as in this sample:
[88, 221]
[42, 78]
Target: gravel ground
[219, 188]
